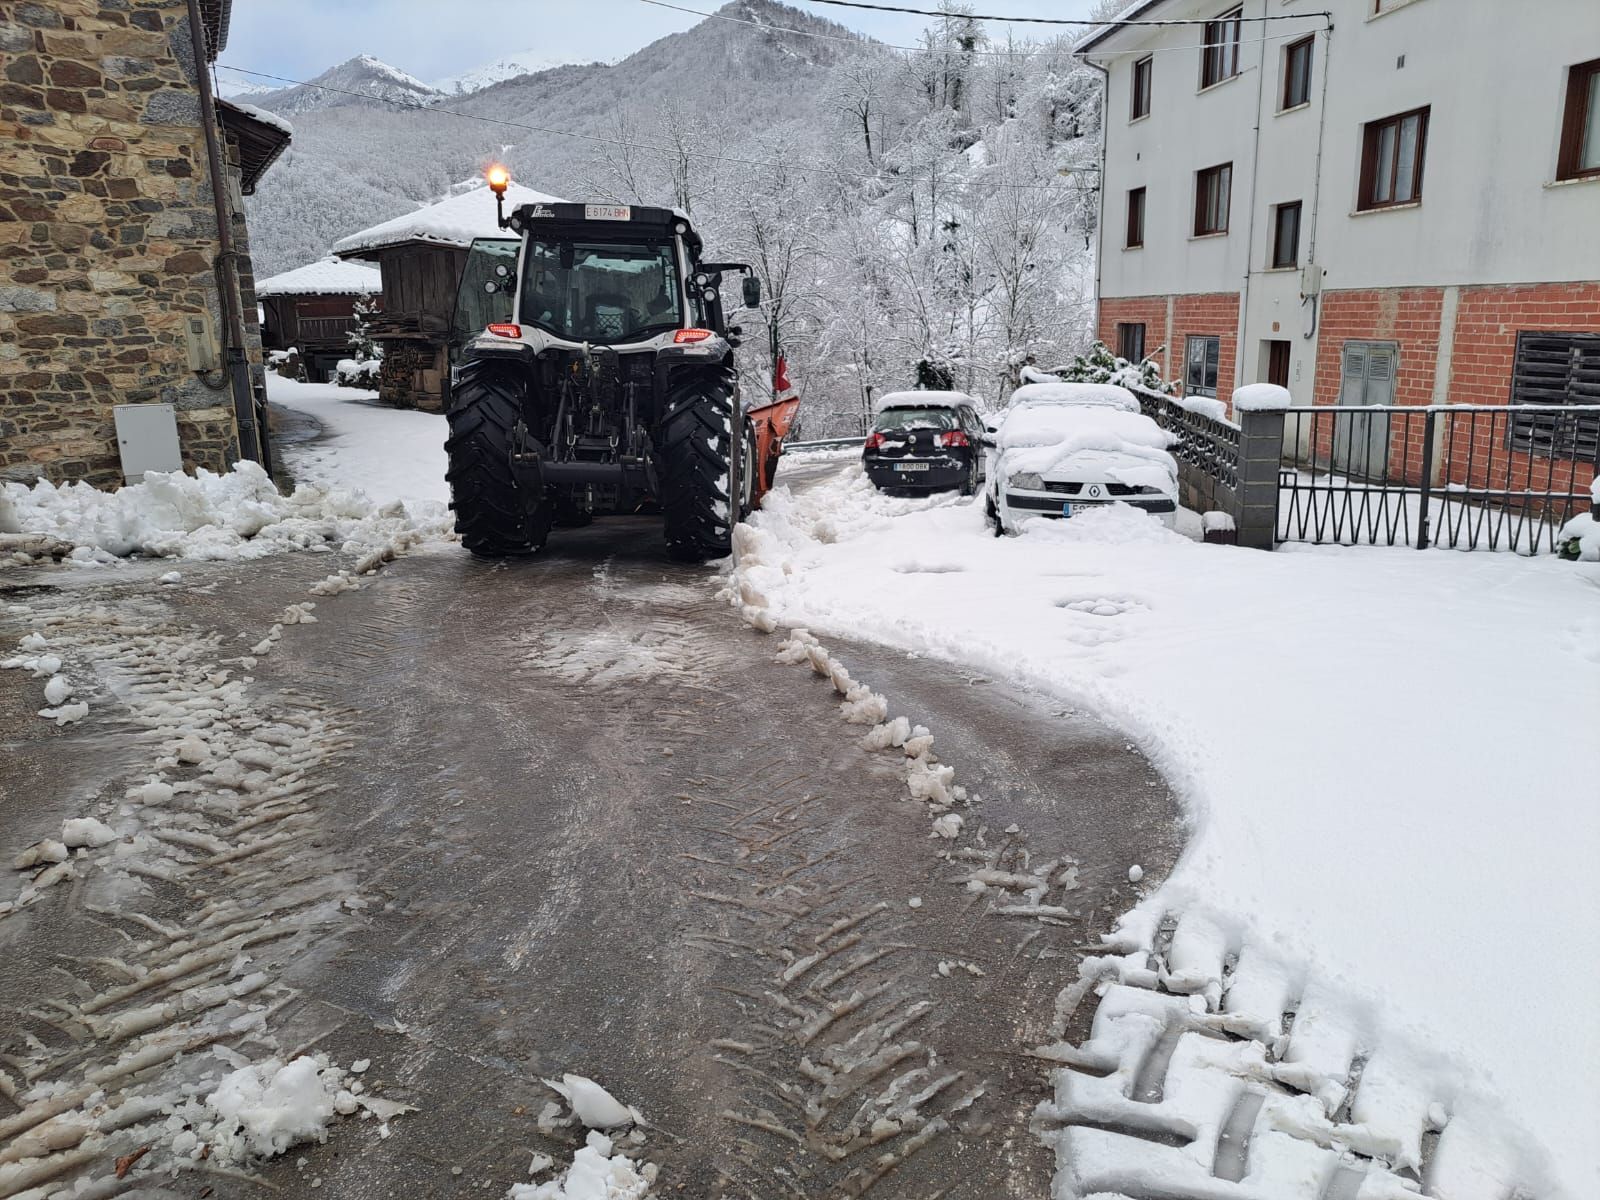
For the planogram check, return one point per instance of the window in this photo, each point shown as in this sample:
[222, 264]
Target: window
[1200, 366]
[1141, 87]
[1297, 72]
[1212, 191]
[1135, 218]
[1130, 341]
[1580, 125]
[1391, 160]
[1557, 368]
[1219, 53]
[599, 291]
[1286, 235]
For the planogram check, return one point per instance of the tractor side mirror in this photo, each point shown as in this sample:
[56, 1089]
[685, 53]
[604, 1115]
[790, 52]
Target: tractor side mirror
[752, 292]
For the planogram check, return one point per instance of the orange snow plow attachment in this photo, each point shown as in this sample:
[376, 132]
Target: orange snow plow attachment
[771, 422]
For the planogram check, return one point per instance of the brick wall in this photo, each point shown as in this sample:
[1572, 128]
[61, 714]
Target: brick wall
[107, 236]
[1149, 311]
[1213, 314]
[1483, 350]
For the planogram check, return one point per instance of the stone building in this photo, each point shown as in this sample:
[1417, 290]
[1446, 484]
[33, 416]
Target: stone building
[117, 284]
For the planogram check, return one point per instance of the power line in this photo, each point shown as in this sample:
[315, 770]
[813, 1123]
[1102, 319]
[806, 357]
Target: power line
[866, 43]
[414, 106]
[1105, 24]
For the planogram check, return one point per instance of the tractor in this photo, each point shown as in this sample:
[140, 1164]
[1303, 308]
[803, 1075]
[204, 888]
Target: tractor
[595, 376]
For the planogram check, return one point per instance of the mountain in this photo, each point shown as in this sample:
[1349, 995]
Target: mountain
[526, 62]
[362, 80]
[357, 160]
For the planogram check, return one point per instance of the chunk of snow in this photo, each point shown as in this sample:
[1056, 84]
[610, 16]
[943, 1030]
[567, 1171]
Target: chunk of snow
[595, 1174]
[266, 1109]
[86, 831]
[1135, 873]
[1261, 397]
[914, 902]
[66, 714]
[47, 851]
[592, 1104]
[947, 826]
[171, 577]
[57, 690]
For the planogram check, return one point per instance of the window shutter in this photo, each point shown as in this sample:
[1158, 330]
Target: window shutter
[1557, 368]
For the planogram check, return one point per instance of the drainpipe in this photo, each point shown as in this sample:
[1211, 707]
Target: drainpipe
[1100, 219]
[238, 369]
[1316, 184]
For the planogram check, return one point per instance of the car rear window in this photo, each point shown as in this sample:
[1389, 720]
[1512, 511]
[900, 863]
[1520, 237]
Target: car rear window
[916, 418]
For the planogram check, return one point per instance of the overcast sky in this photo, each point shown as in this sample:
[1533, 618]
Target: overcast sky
[434, 40]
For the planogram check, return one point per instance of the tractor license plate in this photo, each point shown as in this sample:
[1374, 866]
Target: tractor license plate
[911, 466]
[607, 212]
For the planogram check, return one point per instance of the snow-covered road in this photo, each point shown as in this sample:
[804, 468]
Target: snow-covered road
[1381, 751]
[388, 453]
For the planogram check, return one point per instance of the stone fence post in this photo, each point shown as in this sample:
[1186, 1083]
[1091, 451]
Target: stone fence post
[1259, 408]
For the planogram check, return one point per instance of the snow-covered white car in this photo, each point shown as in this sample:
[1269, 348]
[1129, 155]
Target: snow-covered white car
[1066, 447]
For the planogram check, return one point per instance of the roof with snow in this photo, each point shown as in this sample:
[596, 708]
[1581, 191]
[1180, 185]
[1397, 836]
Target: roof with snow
[260, 136]
[1133, 11]
[326, 277]
[454, 221]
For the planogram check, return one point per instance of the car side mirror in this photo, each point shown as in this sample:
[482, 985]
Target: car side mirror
[752, 292]
[987, 442]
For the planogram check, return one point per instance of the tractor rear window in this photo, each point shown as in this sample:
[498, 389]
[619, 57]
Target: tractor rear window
[916, 418]
[601, 291]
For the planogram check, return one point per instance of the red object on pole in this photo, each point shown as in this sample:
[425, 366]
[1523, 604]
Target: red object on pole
[782, 389]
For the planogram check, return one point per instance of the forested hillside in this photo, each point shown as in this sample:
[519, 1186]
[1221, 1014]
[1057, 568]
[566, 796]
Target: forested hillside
[912, 212]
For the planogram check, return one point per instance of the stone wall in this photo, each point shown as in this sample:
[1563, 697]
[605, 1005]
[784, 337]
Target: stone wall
[107, 237]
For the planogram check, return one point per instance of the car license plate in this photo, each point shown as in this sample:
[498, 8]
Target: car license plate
[608, 212]
[911, 466]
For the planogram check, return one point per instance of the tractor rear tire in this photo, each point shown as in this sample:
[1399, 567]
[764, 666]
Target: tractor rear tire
[495, 517]
[692, 452]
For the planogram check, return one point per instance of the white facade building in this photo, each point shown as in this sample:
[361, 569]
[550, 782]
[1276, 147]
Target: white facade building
[1444, 156]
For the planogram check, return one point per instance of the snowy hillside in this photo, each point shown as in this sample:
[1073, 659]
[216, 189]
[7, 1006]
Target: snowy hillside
[357, 81]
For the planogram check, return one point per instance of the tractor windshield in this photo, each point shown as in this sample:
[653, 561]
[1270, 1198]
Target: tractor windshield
[601, 291]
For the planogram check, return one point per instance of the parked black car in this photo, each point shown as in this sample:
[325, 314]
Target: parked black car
[926, 442]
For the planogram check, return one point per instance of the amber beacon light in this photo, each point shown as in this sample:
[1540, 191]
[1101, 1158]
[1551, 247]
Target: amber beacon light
[498, 177]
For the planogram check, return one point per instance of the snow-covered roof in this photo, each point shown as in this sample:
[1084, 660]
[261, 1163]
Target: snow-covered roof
[259, 114]
[1133, 10]
[928, 399]
[325, 277]
[1102, 395]
[454, 221]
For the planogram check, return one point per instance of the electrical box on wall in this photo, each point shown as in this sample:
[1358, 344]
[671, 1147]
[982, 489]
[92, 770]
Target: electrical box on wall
[200, 342]
[1311, 281]
[147, 436]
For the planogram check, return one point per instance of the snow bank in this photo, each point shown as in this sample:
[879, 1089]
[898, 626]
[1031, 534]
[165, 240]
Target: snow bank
[1417, 861]
[1105, 394]
[239, 515]
[928, 399]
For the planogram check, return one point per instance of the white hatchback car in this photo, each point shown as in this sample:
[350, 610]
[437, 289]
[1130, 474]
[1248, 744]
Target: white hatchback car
[1066, 447]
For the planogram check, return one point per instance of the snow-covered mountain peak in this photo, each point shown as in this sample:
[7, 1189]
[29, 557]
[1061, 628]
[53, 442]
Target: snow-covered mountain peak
[359, 80]
[524, 62]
